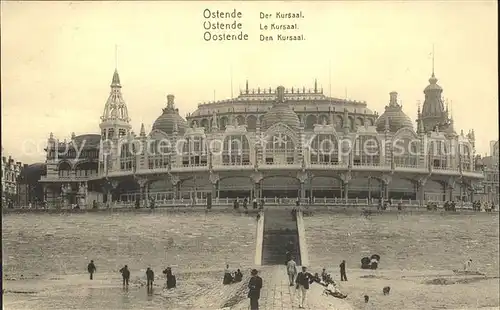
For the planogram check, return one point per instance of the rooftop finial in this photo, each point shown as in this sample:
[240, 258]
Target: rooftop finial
[315, 85]
[246, 88]
[170, 102]
[432, 59]
[116, 57]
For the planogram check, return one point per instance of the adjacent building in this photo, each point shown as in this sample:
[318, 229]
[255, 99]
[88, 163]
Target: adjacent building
[490, 186]
[10, 174]
[264, 143]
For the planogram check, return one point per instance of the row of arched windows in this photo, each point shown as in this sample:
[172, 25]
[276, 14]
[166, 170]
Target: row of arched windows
[280, 148]
[309, 121]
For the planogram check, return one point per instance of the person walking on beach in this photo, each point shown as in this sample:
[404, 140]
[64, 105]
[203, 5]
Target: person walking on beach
[467, 265]
[291, 270]
[303, 280]
[343, 276]
[91, 269]
[125, 275]
[150, 277]
[254, 287]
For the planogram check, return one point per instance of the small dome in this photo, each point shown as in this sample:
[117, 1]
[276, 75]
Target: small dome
[394, 113]
[166, 122]
[281, 113]
[397, 120]
[90, 140]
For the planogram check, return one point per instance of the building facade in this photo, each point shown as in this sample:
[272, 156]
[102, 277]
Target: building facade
[490, 186]
[265, 143]
[10, 174]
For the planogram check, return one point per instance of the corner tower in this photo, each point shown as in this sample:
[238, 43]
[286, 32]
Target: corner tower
[434, 115]
[115, 122]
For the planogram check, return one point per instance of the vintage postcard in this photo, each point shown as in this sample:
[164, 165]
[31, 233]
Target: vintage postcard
[250, 155]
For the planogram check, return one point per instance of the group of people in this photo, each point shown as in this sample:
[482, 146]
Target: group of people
[488, 207]
[150, 276]
[302, 280]
[255, 203]
[232, 277]
[370, 262]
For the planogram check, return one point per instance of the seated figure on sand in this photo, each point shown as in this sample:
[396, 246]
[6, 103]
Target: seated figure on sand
[228, 278]
[171, 279]
[238, 276]
[332, 290]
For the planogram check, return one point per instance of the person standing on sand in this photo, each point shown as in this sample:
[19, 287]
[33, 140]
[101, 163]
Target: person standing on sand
[467, 265]
[125, 275]
[343, 276]
[291, 270]
[91, 269]
[150, 277]
[254, 286]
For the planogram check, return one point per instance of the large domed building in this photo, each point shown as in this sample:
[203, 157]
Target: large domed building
[272, 143]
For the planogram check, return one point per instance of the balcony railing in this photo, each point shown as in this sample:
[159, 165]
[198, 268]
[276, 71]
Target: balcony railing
[305, 202]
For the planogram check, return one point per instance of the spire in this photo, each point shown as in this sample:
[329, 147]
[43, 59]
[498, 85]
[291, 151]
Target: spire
[315, 85]
[115, 82]
[116, 57]
[115, 108]
[433, 79]
[432, 60]
[143, 131]
[246, 88]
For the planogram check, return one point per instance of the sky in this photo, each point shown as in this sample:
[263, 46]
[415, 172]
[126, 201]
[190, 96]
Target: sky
[58, 59]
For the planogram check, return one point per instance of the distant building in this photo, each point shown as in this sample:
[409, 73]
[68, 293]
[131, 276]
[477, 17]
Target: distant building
[10, 173]
[490, 166]
[30, 190]
[268, 143]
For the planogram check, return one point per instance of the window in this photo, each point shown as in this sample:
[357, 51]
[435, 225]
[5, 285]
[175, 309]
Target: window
[236, 150]
[280, 149]
[366, 151]
[324, 150]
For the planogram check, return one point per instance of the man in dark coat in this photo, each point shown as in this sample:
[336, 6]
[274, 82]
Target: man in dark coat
[150, 277]
[343, 276]
[303, 280]
[91, 269]
[125, 275]
[254, 286]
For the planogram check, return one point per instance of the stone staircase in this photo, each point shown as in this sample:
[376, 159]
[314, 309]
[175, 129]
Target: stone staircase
[279, 229]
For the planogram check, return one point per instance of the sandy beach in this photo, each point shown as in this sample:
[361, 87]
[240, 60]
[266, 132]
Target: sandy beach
[418, 253]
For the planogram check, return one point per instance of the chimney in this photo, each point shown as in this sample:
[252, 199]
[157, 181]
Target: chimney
[393, 99]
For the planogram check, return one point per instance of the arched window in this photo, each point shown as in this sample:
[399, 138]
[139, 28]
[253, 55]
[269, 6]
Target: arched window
[64, 169]
[194, 151]
[85, 169]
[159, 154]
[280, 149]
[251, 122]
[311, 120]
[465, 155]
[437, 154]
[223, 122]
[127, 159]
[324, 149]
[236, 150]
[205, 123]
[405, 152]
[366, 151]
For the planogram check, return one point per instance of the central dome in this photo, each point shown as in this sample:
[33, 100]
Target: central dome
[281, 112]
[170, 117]
[395, 115]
